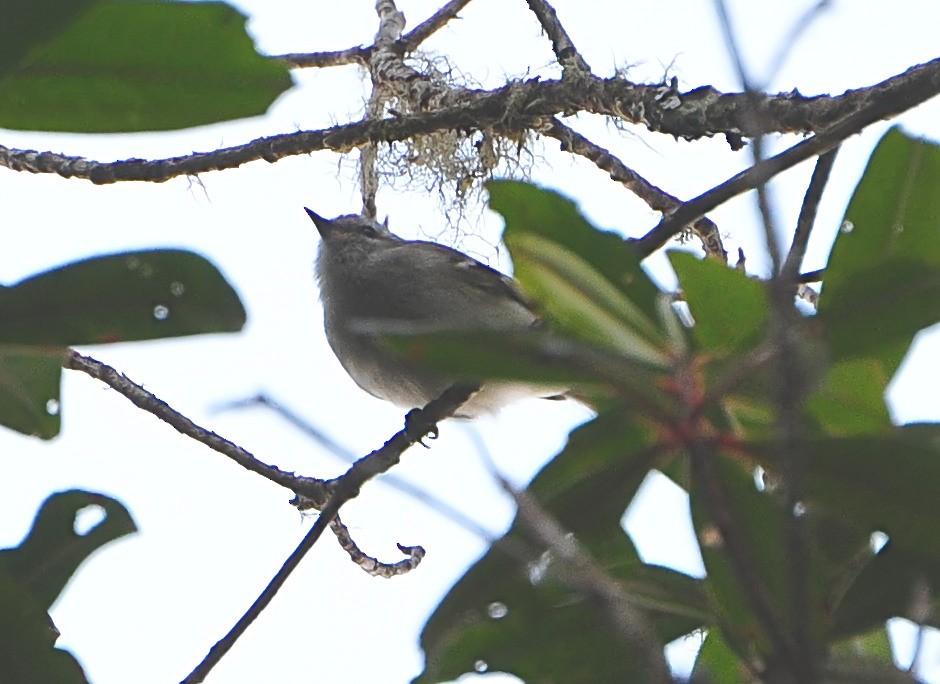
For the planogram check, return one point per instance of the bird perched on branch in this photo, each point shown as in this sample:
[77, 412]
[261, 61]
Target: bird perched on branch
[372, 281]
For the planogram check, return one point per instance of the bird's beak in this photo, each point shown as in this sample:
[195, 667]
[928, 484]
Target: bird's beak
[322, 224]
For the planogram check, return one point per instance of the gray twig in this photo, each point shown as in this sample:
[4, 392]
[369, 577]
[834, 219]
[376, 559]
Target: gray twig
[565, 52]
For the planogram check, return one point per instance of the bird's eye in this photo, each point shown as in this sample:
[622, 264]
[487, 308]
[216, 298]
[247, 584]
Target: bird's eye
[371, 232]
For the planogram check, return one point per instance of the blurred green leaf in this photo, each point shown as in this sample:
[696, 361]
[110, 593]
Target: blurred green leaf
[530, 210]
[887, 482]
[850, 400]
[27, 641]
[730, 309]
[578, 300]
[893, 583]
[878, 311]
[882, 280]
[142, 295]
[546, 630]
[873, 644]
[549, 631]
[589, 484]
[126, 65]
[857, 669]
[760, 545]
[539, 358]
[28, 23]
[50, 554]
[529, 356]
[894, 209]
[717, 662]
[29, 389]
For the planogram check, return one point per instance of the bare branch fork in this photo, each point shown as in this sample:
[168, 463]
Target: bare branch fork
[310, 492]
[328, 496]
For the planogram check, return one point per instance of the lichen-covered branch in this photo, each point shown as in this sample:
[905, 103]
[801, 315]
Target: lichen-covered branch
[563, 47]
[374, 566]
[363, 55]
[875, 110]
[353, 55]
[411, 40]
[520, 106]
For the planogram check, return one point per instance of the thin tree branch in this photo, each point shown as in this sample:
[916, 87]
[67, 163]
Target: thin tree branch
[796, 32]
[520, 105]
[655, 197]
[567, 54]
[764, 208]
[363, 55]
[313, 488]
[374, 566]
[385, 62]
[812, 276]
[224, 645]
[419, 494]
[795, 649]
[313, 491]
[421, 422]
[790, 272]
[878, 109]
[411, 40]
[301, 60]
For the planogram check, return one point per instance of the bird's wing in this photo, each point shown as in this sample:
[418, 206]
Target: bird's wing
[478, 274]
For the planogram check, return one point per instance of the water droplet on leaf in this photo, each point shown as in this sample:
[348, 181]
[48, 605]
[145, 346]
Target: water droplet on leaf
[497, 610]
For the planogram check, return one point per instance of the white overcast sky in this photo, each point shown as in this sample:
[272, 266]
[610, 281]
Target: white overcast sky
[146, 609]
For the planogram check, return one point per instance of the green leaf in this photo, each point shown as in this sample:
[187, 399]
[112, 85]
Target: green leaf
[873, 644]
[538, 358]
[588, 486]
[578, 300]
[887, 482]
[27, 640]
[28, 23]
[893, 210]
[143, 295]
[892, 584]
[529, 356]
[851, 670]
[29, 389]
[127, 65]
[881, 283]
[717, 662]
[543, 629]
[44, 562]
[878, 311]
[757, 556]
[850, 400]
[529, 210]
[729, 308]
[548, 631]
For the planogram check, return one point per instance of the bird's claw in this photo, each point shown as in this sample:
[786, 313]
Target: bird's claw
[417, 428]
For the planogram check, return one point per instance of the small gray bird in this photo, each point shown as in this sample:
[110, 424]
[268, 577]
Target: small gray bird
[372, 279]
